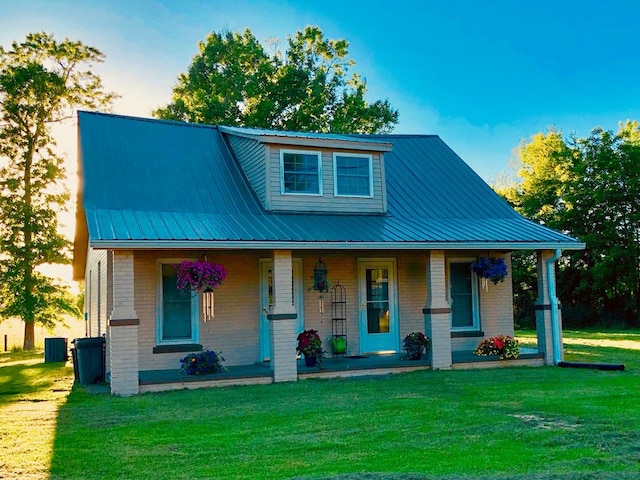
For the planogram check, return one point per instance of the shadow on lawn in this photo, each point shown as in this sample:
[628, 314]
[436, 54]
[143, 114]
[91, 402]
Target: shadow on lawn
[27, 379]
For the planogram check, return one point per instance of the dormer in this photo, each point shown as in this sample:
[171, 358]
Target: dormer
[312, 172]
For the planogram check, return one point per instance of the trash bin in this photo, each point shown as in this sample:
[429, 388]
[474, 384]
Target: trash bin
[74, 358]
[90, 354]
[55, 350]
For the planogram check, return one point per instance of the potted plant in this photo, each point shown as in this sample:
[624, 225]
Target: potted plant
[199, 276]
[338, 343]
[415, 343]
[202, 363]
[503, 346]
[310, 345]
[490, 268]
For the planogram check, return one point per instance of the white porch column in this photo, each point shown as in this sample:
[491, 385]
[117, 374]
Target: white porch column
[123, 328]
[437, 314]
[547, 307]
[282, 320]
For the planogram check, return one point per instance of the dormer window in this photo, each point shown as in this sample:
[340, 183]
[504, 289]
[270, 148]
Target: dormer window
[301, 172]
[353, 174]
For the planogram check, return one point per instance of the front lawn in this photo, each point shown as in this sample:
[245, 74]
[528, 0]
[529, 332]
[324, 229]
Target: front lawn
[504, 423]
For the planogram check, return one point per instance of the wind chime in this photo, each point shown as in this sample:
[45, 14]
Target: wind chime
[320, 282]
[201, 277]
[208, 300]
[208, 304]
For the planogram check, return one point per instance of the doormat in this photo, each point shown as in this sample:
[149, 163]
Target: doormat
[355, 356]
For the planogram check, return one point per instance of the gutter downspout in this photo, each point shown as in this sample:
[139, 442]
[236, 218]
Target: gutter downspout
[553, 300]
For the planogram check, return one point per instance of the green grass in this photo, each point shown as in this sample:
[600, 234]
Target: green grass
[503, 423]
[31, 393]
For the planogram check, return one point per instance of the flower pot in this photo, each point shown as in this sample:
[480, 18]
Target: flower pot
[310, 361]
[415, 356]
[339, 344]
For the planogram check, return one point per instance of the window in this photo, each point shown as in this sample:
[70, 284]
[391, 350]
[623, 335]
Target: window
[352, 174]
[463, 295]
[177, 309]
[301, 172]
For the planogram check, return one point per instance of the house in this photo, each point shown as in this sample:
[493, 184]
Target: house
[395, 219]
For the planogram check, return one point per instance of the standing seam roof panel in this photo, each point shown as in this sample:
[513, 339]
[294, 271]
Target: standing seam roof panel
[158, 180]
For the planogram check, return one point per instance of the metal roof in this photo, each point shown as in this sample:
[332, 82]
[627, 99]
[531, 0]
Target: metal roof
[285, 134]
[158, 184]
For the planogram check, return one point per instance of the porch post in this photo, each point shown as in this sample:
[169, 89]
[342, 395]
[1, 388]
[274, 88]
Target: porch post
[547, 308]
[437, 314]
[122, 335]
[282, 320]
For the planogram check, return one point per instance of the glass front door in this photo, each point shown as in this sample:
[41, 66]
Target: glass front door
[378, 322]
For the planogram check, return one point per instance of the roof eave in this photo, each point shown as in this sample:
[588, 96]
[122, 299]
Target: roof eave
[293, 245]
[284, 139]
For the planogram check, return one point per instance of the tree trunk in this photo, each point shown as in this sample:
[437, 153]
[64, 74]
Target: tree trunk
[29, 336]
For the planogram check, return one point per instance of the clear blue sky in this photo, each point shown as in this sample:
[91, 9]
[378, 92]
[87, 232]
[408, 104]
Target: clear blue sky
[482, 75]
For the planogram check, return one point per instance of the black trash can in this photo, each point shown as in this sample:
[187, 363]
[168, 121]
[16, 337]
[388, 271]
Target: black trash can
[90, 353]
[55, 349]
[74, 357]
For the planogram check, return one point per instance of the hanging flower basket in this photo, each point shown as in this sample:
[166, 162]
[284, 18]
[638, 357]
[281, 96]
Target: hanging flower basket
[490, 268]
[199, 276]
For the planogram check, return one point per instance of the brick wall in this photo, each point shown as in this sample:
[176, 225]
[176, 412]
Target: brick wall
[235, 329]
[123, 352]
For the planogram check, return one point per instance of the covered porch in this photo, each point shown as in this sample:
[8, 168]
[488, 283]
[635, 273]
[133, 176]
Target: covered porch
[332, 367]
[422, 300]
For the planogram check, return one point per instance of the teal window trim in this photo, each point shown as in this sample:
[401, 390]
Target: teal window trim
[475, 296]
[317, 173]
[337, 175]
[194, 316]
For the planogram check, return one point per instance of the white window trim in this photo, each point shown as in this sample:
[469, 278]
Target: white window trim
[318, 154]
[475, 296]
[195, 307]
[335, 173]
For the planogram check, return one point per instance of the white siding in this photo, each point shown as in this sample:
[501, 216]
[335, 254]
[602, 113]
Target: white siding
[326, 202]
[98, 301]
[252, 157]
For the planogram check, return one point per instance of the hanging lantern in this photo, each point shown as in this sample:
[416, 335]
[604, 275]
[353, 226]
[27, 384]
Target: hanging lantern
[320, 282]
[208, 304]
[320, 277]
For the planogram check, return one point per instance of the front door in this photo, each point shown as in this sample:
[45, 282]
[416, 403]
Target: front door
[378, 311]
[266, 301]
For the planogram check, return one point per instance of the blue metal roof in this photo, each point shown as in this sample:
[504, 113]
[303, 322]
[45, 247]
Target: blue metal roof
[285, 134]
[158, 184]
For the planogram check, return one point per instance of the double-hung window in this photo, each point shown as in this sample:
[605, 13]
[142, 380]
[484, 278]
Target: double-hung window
[177, 309]
[301, 172]
[463, 291]
[352, 175]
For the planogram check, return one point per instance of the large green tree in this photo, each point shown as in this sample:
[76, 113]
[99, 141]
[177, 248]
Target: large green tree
[42, 81]
[589, 188]
[234, 81]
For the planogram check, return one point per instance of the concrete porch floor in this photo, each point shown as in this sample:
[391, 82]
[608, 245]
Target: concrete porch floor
[260, 373]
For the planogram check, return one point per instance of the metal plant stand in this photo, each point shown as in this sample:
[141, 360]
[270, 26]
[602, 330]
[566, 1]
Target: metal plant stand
[338, 320]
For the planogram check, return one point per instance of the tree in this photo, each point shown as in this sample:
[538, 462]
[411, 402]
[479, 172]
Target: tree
[234, 81]
[41, 82]
[605, 198]
[588, 188]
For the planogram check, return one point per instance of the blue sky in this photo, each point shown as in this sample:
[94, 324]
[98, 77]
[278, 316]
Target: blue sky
[482, 75]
